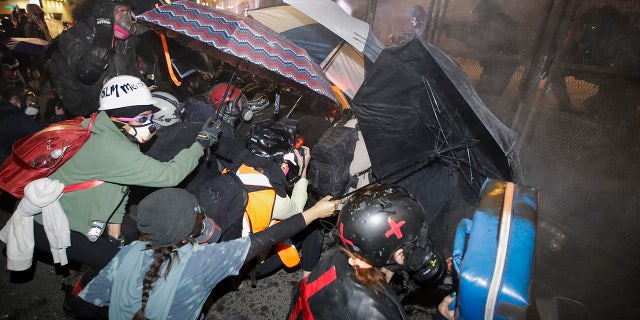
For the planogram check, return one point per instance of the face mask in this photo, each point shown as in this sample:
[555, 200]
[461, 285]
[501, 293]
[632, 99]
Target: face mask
[123, 26]
[142, 133]
[210, 232]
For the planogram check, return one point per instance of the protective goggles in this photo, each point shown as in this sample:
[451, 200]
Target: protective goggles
[143, 118]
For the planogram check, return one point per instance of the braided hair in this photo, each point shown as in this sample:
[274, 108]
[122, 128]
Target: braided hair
[160, 255]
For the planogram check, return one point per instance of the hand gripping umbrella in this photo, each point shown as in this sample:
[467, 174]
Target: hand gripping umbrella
[240, 40]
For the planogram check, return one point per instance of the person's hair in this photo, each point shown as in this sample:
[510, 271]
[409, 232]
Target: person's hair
[372, 278]
[160, 255]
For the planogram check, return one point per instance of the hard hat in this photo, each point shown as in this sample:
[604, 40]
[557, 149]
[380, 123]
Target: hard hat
[125, 91]
[170, 108]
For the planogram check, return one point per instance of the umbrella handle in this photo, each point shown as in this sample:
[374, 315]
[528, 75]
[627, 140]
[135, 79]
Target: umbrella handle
[167, 58]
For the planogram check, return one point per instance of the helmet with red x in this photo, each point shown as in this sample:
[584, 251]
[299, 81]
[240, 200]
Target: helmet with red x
[378, 220]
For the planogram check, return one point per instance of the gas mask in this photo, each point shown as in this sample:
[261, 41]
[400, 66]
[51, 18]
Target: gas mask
[123, 26]
[142, 133]
[206, 230]
[422, 263]
[233, 109]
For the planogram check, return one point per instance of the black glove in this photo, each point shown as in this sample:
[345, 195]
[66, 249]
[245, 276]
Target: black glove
[229, 112]
[208, 136]
[104, 33]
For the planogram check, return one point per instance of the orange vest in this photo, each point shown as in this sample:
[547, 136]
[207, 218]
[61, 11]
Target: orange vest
[258, 216]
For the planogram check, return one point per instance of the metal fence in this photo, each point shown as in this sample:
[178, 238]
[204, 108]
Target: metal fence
[565, 76]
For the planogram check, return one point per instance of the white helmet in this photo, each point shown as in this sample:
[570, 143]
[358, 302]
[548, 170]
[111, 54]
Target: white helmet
[125, 91]
[170, 108]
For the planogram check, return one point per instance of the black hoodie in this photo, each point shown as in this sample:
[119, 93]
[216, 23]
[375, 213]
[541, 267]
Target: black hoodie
[79, 67]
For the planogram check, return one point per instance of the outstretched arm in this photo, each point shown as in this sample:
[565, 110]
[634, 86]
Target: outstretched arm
[287, 228]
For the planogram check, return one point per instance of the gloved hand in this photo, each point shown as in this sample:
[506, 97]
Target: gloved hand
[229, 112]
[208, 136]
[104, 33]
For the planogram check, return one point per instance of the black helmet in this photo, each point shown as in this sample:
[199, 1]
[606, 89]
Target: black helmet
[269, 138]
[378, 220]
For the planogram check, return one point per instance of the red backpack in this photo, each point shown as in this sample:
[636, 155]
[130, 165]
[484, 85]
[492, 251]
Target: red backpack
[42, 153]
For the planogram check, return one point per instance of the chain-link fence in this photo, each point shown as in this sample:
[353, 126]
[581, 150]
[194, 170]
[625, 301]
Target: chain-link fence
[565, 76]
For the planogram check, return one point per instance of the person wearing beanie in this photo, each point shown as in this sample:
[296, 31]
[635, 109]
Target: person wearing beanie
[169, 275]
[112, 157]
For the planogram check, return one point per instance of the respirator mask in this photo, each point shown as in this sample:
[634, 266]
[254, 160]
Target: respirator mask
[123, 26]
[233, 109]
[422, 264]
[206, 230]
[141, 133]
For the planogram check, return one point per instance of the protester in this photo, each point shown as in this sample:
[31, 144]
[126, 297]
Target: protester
[265, 171]
[168, 275]
[170, 109]
[383, 232]
[98, 47]
[419, 22]
[14, 122]
[418, 19]
[112, 158]
[54, 111]
[35, 25]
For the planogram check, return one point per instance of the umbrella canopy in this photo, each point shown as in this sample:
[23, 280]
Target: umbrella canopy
[34, 46]
[426, 129]
[342, 63]
[241, 39]
[356, 32]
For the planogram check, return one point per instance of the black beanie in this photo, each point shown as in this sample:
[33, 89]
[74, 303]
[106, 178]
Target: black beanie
[167, 216]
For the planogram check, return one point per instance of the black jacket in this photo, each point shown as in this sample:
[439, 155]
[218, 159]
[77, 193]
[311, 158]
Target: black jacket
[342, 296]
[14, 124]
[79, 68]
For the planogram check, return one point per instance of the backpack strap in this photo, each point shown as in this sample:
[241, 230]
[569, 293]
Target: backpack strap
[93, 119]
[82, 185]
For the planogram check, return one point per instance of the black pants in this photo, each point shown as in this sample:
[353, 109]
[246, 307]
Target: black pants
[97, 254]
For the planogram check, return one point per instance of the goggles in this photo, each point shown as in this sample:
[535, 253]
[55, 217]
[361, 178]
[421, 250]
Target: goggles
[143, 118]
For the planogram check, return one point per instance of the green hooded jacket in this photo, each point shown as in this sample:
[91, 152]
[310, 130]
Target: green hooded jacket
[108, 155]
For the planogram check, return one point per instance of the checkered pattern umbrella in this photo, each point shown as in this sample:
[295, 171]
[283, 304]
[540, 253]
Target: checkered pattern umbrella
[241, 39]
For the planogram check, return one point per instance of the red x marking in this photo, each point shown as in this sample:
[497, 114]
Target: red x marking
[345, 240]
[394, 228]
[309, 289]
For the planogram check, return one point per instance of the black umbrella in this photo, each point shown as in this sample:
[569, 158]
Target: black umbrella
[426, 129]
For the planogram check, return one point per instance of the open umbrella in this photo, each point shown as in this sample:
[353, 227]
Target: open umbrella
[356, 32]
[240, 40]
[34, 46]
[427, 130]
[342, 63]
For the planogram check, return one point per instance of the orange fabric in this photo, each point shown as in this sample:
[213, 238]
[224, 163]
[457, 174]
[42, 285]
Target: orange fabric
[260, 209]
[288, 254]
[167, 58]
[260, 203]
